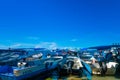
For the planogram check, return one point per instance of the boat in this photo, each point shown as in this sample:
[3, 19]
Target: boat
[5, 56]
[106, 68]
[12, 58]
[28, 69]
[74, 65]
[87, 58]
[109, 64]
[110, 68]
[57, 57]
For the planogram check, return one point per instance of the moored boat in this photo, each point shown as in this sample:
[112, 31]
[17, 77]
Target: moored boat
[74, 65]
[26, 70]
[110, 68]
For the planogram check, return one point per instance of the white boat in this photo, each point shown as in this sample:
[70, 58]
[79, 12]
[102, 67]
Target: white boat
[74, 65]
[57, 57]
[70, 63]
[110, 68]
[3, 57]
[33, 68]
[87, 58]
[4, 53]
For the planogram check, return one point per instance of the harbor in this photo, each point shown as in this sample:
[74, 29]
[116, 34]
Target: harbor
[60, 64]
[59, 39]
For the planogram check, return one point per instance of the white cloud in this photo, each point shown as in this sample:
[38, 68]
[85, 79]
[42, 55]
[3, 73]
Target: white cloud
[22, 45]
[67, 47]
[16, 45]
[49, 45]
[3, 46]
[74, 40]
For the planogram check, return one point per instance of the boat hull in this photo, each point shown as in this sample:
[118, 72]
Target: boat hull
[20, 74]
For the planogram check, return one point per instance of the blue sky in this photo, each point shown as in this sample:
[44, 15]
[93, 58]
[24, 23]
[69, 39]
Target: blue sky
[59, 23]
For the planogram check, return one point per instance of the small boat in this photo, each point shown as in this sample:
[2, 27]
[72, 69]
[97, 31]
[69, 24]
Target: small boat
[87, 58]
[74, 65]
[13, 57]
[108, 69]
[4, 53]
[70, 64]
[3, 57]
[57, 57]
[26, 70]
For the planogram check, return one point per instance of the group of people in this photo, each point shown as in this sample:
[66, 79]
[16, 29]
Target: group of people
[109, 55]
[106, 56]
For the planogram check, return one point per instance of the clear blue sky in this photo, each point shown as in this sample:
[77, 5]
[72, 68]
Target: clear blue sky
[59, 23]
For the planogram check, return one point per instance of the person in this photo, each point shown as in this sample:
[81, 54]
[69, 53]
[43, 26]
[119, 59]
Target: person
[109, 56]
[101, 61]
[118, 56]
[48, 55]
[118, 61]
[93, 59]
[40, 55]
[22, 63]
